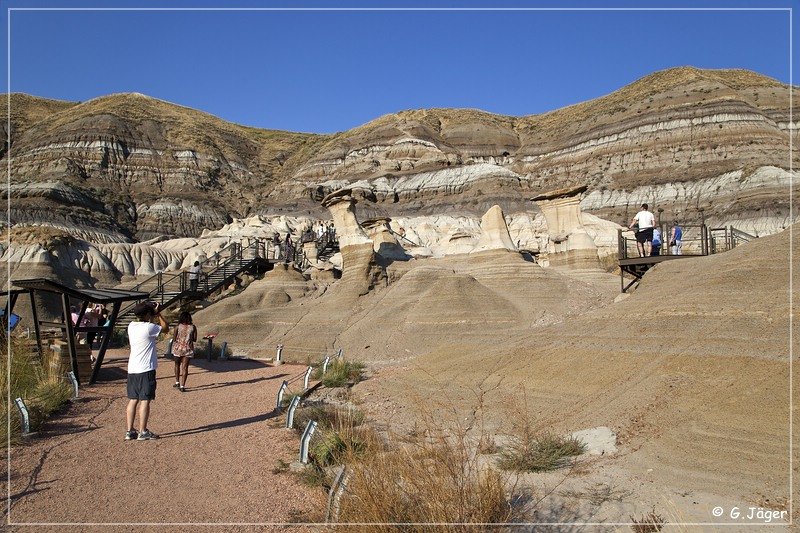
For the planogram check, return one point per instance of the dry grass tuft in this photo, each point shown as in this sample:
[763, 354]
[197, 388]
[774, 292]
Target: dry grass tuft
[649, 523]
[438, 480]
[327, 417]
[32, 381]
[598, 494]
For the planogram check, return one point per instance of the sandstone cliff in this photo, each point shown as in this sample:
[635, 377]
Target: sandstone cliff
[130, 167]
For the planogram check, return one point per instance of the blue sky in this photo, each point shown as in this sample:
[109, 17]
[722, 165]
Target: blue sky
[325, 71]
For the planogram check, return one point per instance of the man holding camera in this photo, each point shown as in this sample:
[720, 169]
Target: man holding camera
[142, 336]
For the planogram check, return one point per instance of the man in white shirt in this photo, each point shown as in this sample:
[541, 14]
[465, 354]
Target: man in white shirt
[194, 275]
[644, 236]
[142, 336]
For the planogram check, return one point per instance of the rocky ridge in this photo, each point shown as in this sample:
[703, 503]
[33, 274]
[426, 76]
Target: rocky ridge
[137, 167]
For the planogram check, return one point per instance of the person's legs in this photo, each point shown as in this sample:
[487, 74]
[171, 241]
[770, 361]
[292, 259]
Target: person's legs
[678, 246]
[130, 413]
[144, 414]
[184, 370]
[177, 368]
[648, 247]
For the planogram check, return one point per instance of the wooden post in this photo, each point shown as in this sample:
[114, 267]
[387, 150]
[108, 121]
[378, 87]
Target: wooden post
[73, 354]
[35, 318]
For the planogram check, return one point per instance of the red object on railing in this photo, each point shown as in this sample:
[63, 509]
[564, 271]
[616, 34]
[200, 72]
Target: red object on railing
[210, 336]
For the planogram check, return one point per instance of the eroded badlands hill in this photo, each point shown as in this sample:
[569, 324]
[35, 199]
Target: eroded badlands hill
[691, 371]
[128, 166]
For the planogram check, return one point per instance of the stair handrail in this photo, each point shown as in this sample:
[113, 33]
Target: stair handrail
[161, 282]
[738, 236]
[151, 294]
[238, 255]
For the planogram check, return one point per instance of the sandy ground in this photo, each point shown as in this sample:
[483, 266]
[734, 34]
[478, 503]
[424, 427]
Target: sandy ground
[220, 442]
[691, 372]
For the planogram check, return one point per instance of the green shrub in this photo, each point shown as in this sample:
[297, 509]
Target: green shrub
[336, 444]
[314, 476]
[539, 453]
[327, 417]
[341, 372]
[201, 350]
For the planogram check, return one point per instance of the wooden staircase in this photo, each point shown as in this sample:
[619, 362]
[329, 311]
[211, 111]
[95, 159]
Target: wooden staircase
[217, 271]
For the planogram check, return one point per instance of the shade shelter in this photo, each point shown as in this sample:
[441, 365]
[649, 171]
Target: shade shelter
[67, 295]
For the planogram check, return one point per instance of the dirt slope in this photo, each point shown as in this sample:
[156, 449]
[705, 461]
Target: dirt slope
[691, 371]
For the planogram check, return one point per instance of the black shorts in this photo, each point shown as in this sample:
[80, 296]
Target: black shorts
[645, 235]
[142, 386]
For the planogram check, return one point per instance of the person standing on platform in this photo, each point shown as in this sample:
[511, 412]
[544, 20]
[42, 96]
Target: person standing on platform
[675, 239]
[276, 246]
[644, 237]
[656, 242]
[288, 246]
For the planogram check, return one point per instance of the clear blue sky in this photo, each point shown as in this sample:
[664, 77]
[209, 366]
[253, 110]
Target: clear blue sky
[324, 71]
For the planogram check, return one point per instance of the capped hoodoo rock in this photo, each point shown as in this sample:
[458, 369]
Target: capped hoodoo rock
[360, 271]
[570, 245]
[384, 241]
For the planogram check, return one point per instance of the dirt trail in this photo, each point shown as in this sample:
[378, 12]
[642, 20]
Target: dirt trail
[214, 461]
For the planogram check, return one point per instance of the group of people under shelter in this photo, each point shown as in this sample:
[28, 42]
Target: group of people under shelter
[648, 236]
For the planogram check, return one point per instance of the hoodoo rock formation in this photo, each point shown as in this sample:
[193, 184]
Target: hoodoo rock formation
[385, 243]
[494, 232]
[360, 271]
[570, 244]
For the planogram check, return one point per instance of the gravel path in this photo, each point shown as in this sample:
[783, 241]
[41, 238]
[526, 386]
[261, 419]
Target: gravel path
[214, 462]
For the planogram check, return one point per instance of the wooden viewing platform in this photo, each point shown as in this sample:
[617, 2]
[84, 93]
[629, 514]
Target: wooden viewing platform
[698, 241]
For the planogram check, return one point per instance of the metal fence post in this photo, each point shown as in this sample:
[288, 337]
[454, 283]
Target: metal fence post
[290, 413]
[278, 360]
[325, 363]
[334, 495]
[26, 419]
[281, 391]
[222, 350]
[74, 381]
[307, 377]
[305, 439]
